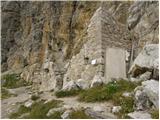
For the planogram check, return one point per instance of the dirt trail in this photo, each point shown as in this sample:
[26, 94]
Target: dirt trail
[72, 102]
[10, 105]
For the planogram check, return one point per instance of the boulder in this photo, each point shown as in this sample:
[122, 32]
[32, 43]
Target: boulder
[82, 84]
[51, 111]
[98, 114]
[151, 88]
[116, 109]
[146, 60]
[145, 76]
[66, 114]
[146, 94]
[141, 99]
[29, 103]
[71, 85]
[139, 115]
[98, 108]
[127, 94]
[97, 81]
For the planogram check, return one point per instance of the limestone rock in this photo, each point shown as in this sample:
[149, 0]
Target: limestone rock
[66, 114]
[151, 88]
[139, 115]
[51, 111]
[145, 76]
[145, 61]
[141, 99]
[28, 103]
[97, 81]
[71, 85]
[98, 114]
[82, 84]
[127, 94]
[98, 108]
[146, 94]
[116, 109]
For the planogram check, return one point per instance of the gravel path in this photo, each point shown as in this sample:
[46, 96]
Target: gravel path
[10, 105]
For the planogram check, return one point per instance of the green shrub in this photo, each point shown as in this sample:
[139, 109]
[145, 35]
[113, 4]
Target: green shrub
[127, 104]
[110, 91]
[100, 93]
[155, 113]
[34, 97]
[56, 115]
[79, 114]
[22, 109]
[5, 94]
[38, 110]
[13, 81]
[60, 94]
[124, 85]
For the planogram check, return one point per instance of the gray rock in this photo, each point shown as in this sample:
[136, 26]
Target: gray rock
[29, 103]
[71, 85]
[82, 84]
[139, 115]
[141, 99]
[98, 115]
[145, 76]
[66, 114]
[127, 94]
[51, 111]
[151, 88]
[116, 109]
[132, 79]
[97, 81]
[145, 60]
[98, 108]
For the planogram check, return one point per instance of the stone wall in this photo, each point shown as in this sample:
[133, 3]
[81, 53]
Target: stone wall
[80, 66]
[103, 32]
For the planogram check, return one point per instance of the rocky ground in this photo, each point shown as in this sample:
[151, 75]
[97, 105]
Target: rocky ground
[10, 105]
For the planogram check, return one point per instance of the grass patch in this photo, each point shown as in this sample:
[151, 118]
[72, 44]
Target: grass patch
[107, 92]
[127, 104]
[38, 110]
[154, 114]
[60, 94]
[22, 109]
[13, 81]
[5, 94]
[79, 114]
[112, 91]
[56, 115]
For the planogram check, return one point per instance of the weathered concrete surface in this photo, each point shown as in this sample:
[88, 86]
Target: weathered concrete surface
[115, 63]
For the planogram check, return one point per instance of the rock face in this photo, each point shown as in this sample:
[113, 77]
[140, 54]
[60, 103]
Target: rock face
[151, 88]
[54, 42]
[146, 60]
[71, 85]
[146, 94]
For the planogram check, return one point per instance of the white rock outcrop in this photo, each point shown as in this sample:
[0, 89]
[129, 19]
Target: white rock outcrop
[148, 92]
[82, 84]
[139, 115]
[146, 60]
[71, 85]
[151, 88]
[97, 81]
